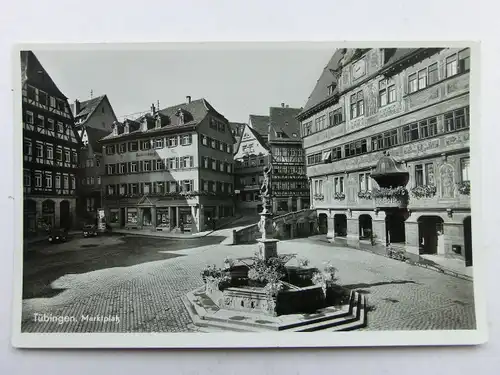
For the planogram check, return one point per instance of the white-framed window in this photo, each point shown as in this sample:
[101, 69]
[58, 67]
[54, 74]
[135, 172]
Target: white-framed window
[187, 185]
[122, 189]
[229, 149]
[74, 157]
[146, 145]
[412, 83]
[111, 168]
[318, 187]
[451, 65]
[65, 181]
[424, 174]
[338, 184]
[433, 74]
[98, 180]
[38, 179]
[357, 105]
[146, 166]
[205, 185]
[122, 168]
[228, 168]
[50, 151]
[133, 167]
[92, 180]
[204, 160]
[110, 149]
[422, 79]
[40, 121]
[60, 127]
[387, 92]
[186, 139]
[133, 146]
[39, 150]
[159, 165]
[465, 166]
[122, 148]
[58, 181]
[204, 140]
[67, 156]
[214, 165]
[59, 153]
[222, 146]
[364, 182]
[73, 181]
[52, 102]
[159, 143]
[172, 142]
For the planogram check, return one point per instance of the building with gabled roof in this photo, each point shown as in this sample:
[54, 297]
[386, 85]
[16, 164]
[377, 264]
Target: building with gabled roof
[94, 119]
[290, 188]
[251, 156]
[50, 151]
[260, 123]
[170, 169]
[386, 135]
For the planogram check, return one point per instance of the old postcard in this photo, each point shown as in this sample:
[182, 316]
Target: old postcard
[236, 194]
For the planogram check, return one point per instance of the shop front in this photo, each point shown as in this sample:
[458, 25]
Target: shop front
[163, 218]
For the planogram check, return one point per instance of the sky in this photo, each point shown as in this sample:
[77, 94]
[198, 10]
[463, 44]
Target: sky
[236, 82]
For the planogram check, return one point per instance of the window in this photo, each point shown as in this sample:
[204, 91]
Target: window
[204, 161]
[38, 179]
[50, 152]
[337, 153]
[222, 146]
[159, 165]
[307, 128]
[186, 162]
[67, 156]
[97, 162]
[146, 145]
[133, 146]
[228, 149]
[186, 139]
[364, 182]
[40, 121]
[213, 123]
[27, 147]
[428, 127]
[146, 165]
[390, 138]
[58, 181]
[187, 185]
[59, 154]
[31, 92]
[73, 181]
[111, 168]
[52, 102]
[66, 182]
[422, 79]
[357, 105]
[410, 133]
[29, 117]
[111, 190]
[48, 180]
[92, 180]
[39, 150]
[204, 140]
[387, 92]
[320, 124]
[158, 143]
[451, 66]
[50, 124]
[26, 178]
[464, 61]
[98, 180]
[147, 188]
[314, 159]
[424, 174]
[355, 148]
[382, 95]
[412, 83]
[318, 187]
[60, 127]
[433, 75]
[122, 148]
[110, 150]
[335, 117]
[221, 167]
[214, 165]
[60, 105]
[42, 97]
[465, 165]
[338, 185]
[172, 142]
[221, 127]
[456, 120]
[122, 168]
[74, 157]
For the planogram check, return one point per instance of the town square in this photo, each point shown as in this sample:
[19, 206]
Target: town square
[338, 203]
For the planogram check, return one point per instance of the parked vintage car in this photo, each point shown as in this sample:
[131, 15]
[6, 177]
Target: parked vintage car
[58, 235]
[89, 230]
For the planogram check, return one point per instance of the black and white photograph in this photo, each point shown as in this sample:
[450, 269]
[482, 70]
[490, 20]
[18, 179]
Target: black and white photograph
[266, 188]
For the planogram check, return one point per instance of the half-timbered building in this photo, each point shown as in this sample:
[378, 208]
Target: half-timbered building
[50, 150]
[290, 188]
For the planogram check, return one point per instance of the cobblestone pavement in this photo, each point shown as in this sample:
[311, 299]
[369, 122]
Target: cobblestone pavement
[137, 283]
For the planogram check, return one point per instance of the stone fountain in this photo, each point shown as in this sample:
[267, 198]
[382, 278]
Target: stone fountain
[268, 293]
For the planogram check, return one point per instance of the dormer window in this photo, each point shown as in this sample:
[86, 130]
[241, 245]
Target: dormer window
[158, 122]
[180, 114]
[115, 129]
[331, 89]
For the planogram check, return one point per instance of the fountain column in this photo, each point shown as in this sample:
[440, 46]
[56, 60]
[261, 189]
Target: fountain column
[268, 246]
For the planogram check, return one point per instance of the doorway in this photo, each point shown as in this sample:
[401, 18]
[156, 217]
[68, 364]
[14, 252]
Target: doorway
[430, 234]
[340, 225]
[65, 216]
[323, 223]
[365, 227]
[395, 227]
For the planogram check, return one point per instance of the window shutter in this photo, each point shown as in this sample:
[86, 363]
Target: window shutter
[191, 164]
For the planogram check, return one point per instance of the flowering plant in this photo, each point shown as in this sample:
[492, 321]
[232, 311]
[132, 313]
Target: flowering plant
[303, 262]
[424, 191]
[390, 192]
[464, 188]
[319, 197]
[228, 262]
[365, 194]
[339, 196]
[267, 271]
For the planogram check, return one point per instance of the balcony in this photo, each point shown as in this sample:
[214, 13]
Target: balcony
[390, 197]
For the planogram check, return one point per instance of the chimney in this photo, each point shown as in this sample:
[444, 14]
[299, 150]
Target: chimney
[76, 107]
[282, 105]
[152, 109]
[188, 99]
